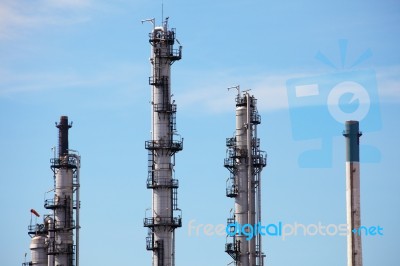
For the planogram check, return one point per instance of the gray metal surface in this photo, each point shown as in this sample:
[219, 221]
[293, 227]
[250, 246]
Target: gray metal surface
[165, 142]
[353, 208]
[245, 162]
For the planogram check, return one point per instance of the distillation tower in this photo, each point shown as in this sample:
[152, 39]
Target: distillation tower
[245, 161]
[55, 242]
[164, 144]
[354, 247]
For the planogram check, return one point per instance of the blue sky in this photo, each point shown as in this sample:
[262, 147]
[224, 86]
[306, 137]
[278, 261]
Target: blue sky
[89, 60]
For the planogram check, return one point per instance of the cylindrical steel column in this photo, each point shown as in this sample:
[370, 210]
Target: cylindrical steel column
[39, 250]
[242, 179]
[162, 148]
[63, 198]
[245, 162]
[354, 248]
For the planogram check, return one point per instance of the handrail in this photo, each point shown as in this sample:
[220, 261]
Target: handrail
[162, 221]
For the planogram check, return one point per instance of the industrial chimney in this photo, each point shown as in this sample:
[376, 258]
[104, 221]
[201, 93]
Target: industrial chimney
[354, 248]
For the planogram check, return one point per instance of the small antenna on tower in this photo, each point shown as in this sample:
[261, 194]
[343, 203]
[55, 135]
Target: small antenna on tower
[151, 20]
[235, 87]
[162, 11]
[245, 91]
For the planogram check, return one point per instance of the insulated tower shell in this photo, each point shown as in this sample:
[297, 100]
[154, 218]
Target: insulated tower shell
[39, 250]
[245, 161]
[62, 246]
[165, 142]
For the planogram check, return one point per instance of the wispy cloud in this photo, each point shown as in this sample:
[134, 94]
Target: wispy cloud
[17, 17]
[71, 4]
[13, 84]
[389, 83]
[210, 94]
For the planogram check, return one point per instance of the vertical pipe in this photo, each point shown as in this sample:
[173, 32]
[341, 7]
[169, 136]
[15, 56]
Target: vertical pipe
[78, 206]
[50, 222]
[173, 248]
[354, 247]
[242, 199]
[259, 240]
[258, 211]
[250, 181]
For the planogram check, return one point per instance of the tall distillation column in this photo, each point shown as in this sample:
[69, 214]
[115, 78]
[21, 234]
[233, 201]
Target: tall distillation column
[245, 161]
[53, 242]
[66, 195]
[354, 247]
[165, 142]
